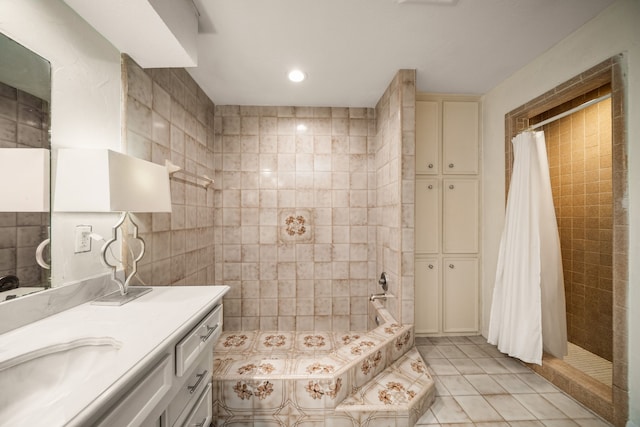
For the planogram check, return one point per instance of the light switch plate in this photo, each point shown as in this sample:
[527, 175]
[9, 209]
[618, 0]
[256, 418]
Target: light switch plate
[83, 239]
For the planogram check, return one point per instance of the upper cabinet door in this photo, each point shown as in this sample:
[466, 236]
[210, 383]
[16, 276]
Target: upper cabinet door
[427, 137]
[460, 137]
[427, 215]
[460, 216]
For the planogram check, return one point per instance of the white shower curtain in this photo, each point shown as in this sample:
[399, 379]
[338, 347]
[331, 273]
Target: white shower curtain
[528, 310]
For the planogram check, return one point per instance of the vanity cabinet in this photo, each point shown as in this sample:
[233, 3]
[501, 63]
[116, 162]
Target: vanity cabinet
[447, 215]
[176, 390]
[141, 400]
[146, 363]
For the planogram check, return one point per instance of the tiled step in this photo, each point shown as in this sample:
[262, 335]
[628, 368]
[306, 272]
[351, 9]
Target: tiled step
[300, 378]
[398, 396]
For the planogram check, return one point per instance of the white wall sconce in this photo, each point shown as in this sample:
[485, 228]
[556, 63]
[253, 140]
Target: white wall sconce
[108, 181]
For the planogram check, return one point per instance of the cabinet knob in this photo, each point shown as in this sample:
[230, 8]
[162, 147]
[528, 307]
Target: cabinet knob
[430, 266]
[451, 187]
[430, 186]
[451, 266]
[430, 165]
[450, 165]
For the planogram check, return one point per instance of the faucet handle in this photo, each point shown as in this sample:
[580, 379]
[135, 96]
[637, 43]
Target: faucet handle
[383, 281]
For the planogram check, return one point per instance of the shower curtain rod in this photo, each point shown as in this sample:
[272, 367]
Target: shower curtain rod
[569, 112]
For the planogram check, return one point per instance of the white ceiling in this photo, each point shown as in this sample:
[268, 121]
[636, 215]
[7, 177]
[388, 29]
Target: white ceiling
[351, 49]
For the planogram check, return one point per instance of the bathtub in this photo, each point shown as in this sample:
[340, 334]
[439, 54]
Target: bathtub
[282, 378]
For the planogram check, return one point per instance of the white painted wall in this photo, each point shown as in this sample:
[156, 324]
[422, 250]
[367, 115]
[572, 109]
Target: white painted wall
[85, 105]
[614, 31]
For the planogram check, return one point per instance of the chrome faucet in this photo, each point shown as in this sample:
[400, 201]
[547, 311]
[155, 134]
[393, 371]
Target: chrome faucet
[383, 296]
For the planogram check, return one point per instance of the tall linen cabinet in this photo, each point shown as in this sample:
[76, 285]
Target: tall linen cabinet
[447, 215]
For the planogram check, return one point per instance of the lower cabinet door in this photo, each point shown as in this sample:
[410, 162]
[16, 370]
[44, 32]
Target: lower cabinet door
[202, 412]
[460, 295]
[427, 296]
[136, 406]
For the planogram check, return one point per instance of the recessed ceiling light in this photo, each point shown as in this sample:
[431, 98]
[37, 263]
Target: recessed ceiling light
[297, 76]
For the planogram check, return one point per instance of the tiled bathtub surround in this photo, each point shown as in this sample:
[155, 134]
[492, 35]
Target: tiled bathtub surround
[326, 378]
[323, 167]
[349, 177]
[169, 117]
[295, 216]
[24, 123]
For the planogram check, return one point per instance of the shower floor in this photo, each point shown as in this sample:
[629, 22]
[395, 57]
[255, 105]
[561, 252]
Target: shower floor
[591, 364]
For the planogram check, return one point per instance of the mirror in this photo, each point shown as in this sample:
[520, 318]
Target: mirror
[25, 97]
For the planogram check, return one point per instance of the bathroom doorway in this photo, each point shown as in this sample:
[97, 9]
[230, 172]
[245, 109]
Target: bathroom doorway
[594, 247]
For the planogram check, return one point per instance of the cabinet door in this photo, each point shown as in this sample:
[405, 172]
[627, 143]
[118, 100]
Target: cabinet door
[427, 212]
[460, 295]
[427, 296]
[427, 137]
[460, 216]
[460, 137]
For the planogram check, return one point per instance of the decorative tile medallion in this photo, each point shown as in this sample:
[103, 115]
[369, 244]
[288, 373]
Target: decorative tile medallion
[371, 362]
[348, 339]
[235, 340]
[261, 390]
[275, 340]
[361, 346]
[319, 368]
[316, 389]
[418, 366]
[311, 341]
[295, 225]
[403, 340]
[395, 393]
[252, 368]
[392, 329]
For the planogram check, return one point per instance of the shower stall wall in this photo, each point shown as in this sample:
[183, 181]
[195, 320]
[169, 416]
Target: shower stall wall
[580, 162]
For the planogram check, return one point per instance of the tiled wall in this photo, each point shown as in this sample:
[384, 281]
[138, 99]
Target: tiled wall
[24, 123]
[579, 148]
[167, 116]
[395, 187]
[291, 223]
[295, 225]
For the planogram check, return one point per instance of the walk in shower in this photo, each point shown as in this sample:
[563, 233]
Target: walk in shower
[579, 152]
[587, 164]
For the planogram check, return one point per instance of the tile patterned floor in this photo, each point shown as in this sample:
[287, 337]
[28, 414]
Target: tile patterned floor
[478, 385]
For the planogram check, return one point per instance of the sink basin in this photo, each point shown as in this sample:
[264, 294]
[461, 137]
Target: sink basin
[36, 387]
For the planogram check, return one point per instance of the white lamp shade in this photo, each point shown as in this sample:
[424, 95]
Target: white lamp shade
[25, 182]
[108, 181]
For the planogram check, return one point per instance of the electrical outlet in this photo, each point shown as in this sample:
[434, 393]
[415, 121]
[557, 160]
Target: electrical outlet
[83, 239]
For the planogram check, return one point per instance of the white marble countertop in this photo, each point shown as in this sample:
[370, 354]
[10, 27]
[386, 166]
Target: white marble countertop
[141, 331]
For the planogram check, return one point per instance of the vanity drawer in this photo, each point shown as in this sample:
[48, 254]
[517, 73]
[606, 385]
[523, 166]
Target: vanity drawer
[195, 381]
[207, 331]
[143, 398]
[202, 413]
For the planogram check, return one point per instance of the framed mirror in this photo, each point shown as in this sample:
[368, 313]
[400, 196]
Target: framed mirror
[25, 97]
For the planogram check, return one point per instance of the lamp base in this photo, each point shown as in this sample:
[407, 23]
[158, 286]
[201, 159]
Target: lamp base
[117, 299]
